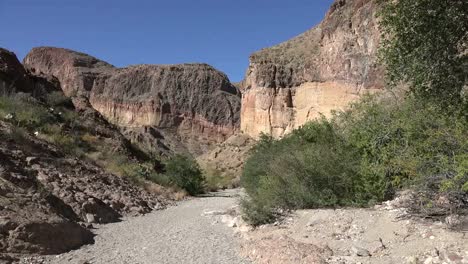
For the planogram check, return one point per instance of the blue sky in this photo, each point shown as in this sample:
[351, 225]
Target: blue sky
[222, 33]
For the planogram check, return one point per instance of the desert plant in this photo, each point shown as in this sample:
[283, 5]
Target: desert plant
[424, 46]
[360, 157]
[313, 167]
[185, 173]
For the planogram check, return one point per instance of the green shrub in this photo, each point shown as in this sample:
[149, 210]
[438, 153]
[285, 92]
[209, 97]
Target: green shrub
[185, 173]
[312, 167]
[26, 114]
[405, 144]
[57, 98]
[216, 179]
[360, 157]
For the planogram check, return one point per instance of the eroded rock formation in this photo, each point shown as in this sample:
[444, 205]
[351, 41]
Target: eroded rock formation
[323, 69]
[49, 198]
[195, 100]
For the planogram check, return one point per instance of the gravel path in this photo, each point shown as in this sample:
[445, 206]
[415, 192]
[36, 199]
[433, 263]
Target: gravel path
[179, 234]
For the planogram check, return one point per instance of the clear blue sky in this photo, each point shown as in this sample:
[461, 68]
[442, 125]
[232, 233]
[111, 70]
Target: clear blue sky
[222, 33]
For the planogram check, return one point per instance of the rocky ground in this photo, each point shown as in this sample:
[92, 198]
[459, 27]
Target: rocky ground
[385, 234]
[49, 200]
[227, 159]
[186, 233]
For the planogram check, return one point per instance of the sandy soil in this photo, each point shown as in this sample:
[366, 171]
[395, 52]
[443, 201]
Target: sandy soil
[381, 235]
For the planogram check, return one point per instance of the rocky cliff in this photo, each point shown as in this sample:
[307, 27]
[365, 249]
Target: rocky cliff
[323, 69]
[50, 197]
[195, 101]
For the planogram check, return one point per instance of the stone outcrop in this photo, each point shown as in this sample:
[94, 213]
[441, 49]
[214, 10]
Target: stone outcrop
[49, 199]
[321, 70]
[44, 197]
[15, 78]
[194, 100]
[227, 159]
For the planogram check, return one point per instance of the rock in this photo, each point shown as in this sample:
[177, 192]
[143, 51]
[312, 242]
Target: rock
[457, 222]
[360, 252]
[323, 69]
[37, 237]
[90, 218]
[15, 78]
[227, 158]
[454, 258]
[42, 206]
[31, 160]
[195, 100]
[412, 260]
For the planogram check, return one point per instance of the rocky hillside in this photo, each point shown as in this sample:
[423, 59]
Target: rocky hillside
[190, 103]
[323, 69]
[51, 189]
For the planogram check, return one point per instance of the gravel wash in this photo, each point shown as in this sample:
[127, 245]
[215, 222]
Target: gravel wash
[179, 234]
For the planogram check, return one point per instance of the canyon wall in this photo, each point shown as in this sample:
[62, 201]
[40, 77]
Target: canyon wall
[324, 69]
[194, 101]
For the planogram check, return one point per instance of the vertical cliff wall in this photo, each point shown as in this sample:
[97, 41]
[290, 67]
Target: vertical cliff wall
[194, 101]
[323, 69]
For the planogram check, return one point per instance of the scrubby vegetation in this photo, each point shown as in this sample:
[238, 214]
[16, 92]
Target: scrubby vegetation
[360, 157]
[424, 45]
[53, 119]
[383, 143]
[216, 179]
[185, 173]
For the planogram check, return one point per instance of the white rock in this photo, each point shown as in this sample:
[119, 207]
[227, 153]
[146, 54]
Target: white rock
[90, 218]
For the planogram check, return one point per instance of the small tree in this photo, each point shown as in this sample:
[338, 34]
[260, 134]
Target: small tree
[185, 173]
[425, 45]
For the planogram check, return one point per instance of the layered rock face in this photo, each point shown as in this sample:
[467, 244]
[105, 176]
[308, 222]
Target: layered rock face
[49, 199]
[195, 100]
[321, 70]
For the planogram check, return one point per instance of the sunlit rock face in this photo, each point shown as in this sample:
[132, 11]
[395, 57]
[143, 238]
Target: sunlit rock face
[191, 99]
[324, 69]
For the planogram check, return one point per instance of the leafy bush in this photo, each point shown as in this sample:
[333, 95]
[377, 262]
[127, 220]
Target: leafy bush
[360, 157]
[185, 173]
[216, 179]
[312, 167]
[58, 124]
[424, 46]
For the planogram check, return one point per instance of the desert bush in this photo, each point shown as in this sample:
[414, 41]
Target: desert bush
[424, 46]
[185, 173]
[26, 114]
[360, 157]
[312, 167]
[409, 144]
[57, 98]
[216, 179]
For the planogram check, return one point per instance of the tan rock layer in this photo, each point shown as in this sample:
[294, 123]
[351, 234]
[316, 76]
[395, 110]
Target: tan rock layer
[322, 70]
[278, 111]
